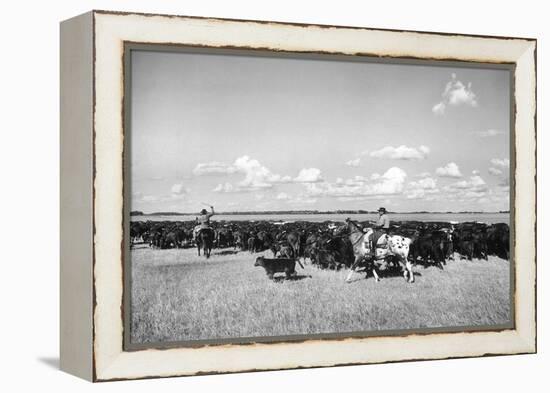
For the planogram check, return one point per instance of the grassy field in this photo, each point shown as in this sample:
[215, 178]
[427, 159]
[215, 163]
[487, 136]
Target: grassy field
[179, 296]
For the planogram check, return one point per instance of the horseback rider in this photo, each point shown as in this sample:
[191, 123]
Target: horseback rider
[380, 228]
[203, 221]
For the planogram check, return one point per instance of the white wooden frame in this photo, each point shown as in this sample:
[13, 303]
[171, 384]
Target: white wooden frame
[92, 194]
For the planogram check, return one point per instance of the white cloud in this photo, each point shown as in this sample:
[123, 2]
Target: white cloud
[489, 133]
[302, 200]
[256, 175]
[225, 188]
[455, 93]
[473, 188]
[150, 198]
[475, 182]
[309, 175]
[178, 189]
[500, 169]
[401, 153]
[422, 188]
[449, 170]
[362, 198]
[375, 176]
[172, 197]
[501, 162]
[390, 183]
[213, 168]
[425, 183]
[439, 108]
[354, 163]
[283, 196]
[359, 180]
[422, 194]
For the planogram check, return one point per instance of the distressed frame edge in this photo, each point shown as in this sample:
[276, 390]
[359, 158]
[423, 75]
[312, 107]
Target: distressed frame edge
[304, 24]
[528, 339]
[526, 132]
[76, 196]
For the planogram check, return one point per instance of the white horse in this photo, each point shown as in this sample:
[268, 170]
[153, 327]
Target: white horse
[397, 246]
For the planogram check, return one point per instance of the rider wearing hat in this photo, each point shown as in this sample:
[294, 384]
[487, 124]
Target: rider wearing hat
[380, 228]
[203, 220]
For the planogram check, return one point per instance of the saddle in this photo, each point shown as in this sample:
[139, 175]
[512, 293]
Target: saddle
[382, 241]
[197, 230]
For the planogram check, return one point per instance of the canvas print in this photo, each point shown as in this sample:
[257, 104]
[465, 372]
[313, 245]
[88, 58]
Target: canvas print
[279, 198]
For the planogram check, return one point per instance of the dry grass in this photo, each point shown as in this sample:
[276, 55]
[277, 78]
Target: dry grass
[178, 296]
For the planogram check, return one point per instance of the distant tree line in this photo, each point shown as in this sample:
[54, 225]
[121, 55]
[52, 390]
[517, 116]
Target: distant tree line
[304, 212]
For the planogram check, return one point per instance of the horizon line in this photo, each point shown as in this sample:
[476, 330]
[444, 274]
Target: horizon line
[338, 211]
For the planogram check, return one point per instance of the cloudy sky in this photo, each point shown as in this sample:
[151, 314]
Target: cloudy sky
[257, 133]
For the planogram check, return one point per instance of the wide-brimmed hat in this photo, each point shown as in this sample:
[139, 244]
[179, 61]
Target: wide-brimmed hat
[382, 209]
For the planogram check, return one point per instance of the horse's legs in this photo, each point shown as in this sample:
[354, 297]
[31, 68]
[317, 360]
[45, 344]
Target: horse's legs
[404, 263]
[372, 268]
[353, 267]
[375, 274]
[408, 266]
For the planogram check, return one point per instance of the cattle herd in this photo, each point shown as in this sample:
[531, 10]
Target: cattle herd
[326, 244]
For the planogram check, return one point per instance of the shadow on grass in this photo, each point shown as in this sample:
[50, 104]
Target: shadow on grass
[139, 246]
[429, 264]
[383, 274]
[297, 277]
[226, 252]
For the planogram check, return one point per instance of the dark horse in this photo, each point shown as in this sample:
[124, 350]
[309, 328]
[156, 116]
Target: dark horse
[205, 239]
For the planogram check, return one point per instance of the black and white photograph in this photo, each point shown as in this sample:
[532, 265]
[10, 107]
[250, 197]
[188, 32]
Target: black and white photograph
[286, 197]
[264, 196]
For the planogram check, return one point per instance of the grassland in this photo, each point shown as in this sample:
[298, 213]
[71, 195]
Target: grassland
[179, 296]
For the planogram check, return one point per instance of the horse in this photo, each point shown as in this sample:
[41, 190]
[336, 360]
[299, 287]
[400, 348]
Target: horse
[205, 239]
[397, 246]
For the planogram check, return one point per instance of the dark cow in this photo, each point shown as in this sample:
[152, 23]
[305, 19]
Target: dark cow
[251, 244]
[464, 243]
[326, 244]
[428, 243]
[293, 240]
[224, 238]
[498, 240]
[264, 241]
[285, 251]
[170, 240]
[277, 265]
[471, 238]
[241, 240]
[342, 251]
